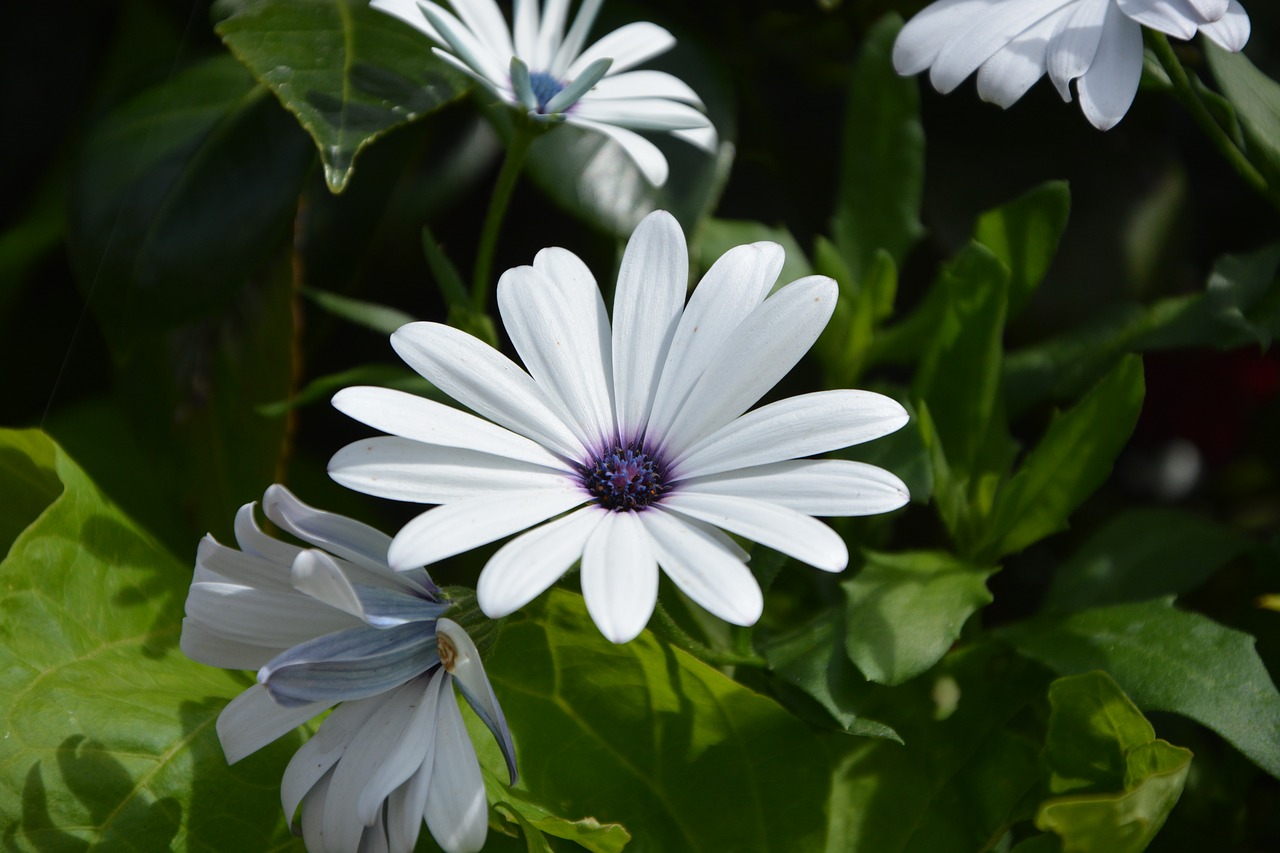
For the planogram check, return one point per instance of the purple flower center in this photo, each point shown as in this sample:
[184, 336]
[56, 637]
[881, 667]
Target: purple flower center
[545, 87]
[624, 478]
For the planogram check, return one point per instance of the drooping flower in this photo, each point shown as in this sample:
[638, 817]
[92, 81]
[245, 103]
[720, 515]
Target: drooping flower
[1096, 43]
[333, 624]
[544, 71]
[630, 441]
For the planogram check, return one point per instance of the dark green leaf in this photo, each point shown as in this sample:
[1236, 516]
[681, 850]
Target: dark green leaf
[718, 236]
[1069, 463]
[882, 173]
[110, 739]
[1168, 660]
[1024, 236]
[1092, 728]
[349, 73]
[1256, 99]
[905, 611]
[1143, 554]
[378, 318]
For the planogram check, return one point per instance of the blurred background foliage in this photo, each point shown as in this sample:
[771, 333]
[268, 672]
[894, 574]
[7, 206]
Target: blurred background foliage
[181, 291]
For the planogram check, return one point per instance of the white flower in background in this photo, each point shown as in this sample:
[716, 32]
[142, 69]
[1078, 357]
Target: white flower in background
[1097, 43]
[543, 70]
[334, 624]
[632, 438]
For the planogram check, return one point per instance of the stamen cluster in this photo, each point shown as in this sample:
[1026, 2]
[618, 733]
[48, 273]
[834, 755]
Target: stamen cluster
[624, 478]
[545, 87]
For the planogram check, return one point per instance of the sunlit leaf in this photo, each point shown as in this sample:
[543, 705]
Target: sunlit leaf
[1024, 235]
[1256, 100]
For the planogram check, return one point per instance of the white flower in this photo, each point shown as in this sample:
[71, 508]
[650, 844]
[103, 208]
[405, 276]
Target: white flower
[334, 624]
[633, 439]
[544, 71]
[1097, 43]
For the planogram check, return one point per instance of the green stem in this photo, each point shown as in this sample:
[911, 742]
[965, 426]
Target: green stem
[680, 637]
[511, 165]
[1186, 92]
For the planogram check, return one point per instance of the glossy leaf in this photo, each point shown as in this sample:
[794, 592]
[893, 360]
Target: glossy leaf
[1024, 236]
[905, 610]
[1168, 660]
[110, 740]
[347, 72]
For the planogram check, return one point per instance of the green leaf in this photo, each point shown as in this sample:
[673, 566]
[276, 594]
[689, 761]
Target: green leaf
[110, 738]
[349, 73]
[905, 611]
[1167, 660]
[862, 304]
[378, 318]
[643, 735]
[1069, 463]
[717, 236]
[882, 172]
[1256, 99]
[1024, 236]
[1116, 783]
[536, 823]
[180, 195]
[1142, 554]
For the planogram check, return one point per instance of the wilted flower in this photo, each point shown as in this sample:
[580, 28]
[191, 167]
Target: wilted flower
[541, 69]
[334, 624]
[637, 432]
[1097, 43]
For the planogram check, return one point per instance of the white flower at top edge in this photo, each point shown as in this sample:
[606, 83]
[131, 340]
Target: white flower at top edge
[331, 624]
[628, 440]
[1097, 43]
[541, 69]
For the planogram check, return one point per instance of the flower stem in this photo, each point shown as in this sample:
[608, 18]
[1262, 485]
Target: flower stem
[1186, 92]
[517, 151]
[714, 657]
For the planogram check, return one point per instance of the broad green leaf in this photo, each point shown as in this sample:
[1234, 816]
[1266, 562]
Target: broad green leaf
[110, 740]
[811, 660]
[643, 735]
[1024, 236]
[717, 236]
[1256, 99]
[905, 611]
[970, 767]
[1068, 464]
[378, 318]
[1143, 554]
[349, 73]
[180, 195]
[1168, 660]
[882, 172]
[1115, 784]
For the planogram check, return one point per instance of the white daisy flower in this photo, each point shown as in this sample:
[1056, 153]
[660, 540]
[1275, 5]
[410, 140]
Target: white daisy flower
[1097, 43]
[630, 441]
[334, 624]
[541, 69]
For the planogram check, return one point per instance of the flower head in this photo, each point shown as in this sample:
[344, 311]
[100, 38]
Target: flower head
[329, 624]
[628, 439]
[544, 71]
[1097, 43]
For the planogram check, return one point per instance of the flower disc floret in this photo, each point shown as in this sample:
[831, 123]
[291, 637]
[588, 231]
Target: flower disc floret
[545, 87]
[625, 478]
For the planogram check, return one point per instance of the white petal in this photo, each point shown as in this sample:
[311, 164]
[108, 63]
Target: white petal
[533, 561]
[411, 416]
[484, 18]
[461, 526]
[341, 536]
[1013, 69]
[627, 46]
[1175, 17]
[263, 617]
[252, 540]
[457, 811]
[698, 564]
[525, 29]
[374, 838]
[464, 43]
[408, 11]
[734, 286]
[794, 427]
[699, 137]
[652, 281]
[762, 350]
[407, 804]
[620, 576]
[313, 816]
[1231, 31]
[253, 719]
[558, 324]
[641, 113]
[317, 756]
[813, 486]
[648, 158]
[202, 643]
[501, 89]
[485, 381]
[1074, 43]
[976, 41]
[793, 533]
[405, 470]
[644, 84]
[216, 562]
[1111, 83]
[1211, 10]
[575, 38]
[469, 676]
[550, 32]
[924, 36]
